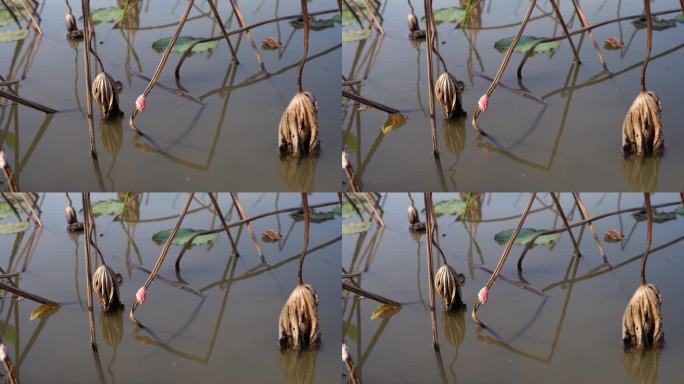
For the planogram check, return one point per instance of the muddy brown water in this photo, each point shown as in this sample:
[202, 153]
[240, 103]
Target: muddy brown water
[572, 335]
[571, 144]
[228, 335]
[228, 142]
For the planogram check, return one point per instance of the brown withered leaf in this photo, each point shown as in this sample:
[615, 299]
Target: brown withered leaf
[271, 235]
[270, 43]
[613, 236]
[613, 43]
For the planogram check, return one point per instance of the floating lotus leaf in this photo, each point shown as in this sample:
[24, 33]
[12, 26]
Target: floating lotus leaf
[447, 15]
[385, 309]
[182, 43]
[315, 216]
[355, 35]
[356, 227]
[346, 210]
[5, 17]
[106, 207]
[679, 18]
[658, 217]
[449, 207]
[525, 235]
[6, 210]
[658, 24]
[13, 227]
[314, 23]
[525, 43]
[106, 15]
[183, 235]
[13, 35]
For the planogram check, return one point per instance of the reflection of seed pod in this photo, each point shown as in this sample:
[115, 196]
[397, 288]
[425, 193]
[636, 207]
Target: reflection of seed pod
[642, 321]
[642, 128]
[70, 21]
[111, 134]
[70, 215]
[454, 135]
[299, 366]
[642, 172]
[448, 95]
[413, 215]
[112, 326]
[298, 323]
[412, 22]
[298, 173]
[104, 92]
[298, 128]
[106, 288]
[642, 365]
[454, 327]
[448, 287]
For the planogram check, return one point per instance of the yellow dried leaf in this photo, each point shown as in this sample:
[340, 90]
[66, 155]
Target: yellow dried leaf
[385, 308]
[392, 122]
[43, 311]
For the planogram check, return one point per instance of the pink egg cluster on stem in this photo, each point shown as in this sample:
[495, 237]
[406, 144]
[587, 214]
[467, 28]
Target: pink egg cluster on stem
[482, 295]
[483, 103]
[140, 103]
[140, 295]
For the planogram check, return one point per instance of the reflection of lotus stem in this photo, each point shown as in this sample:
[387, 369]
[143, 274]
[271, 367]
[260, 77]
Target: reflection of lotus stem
[162, 255]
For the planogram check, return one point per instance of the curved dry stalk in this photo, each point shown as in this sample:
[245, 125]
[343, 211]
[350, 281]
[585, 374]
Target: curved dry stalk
[223, 30]
[430, 32]
[351, 177]
[584, 213]
[349, 363]
[566, 224]
[140, 297]
[7, 363]
[243, 215]
[87, 31]
[140, 102]
[502, 68]
[559, 15]
[500, 263]
[217, 207]
[87, 223]
[243, 22]
[649, 235]
[429, 220]
[7, 172]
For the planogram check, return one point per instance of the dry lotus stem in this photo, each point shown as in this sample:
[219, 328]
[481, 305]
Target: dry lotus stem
[447, 284]
[298, 323]
[448, 95]
[642, 321]
[642, 129]
[298, 128]
[106, 96]
[106, 288]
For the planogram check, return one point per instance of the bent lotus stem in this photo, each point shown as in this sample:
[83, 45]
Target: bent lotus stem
[160, 67]
[217, 207]
[501, 262]
[429, 220]
[565, 222]
[87, 227]
[160, 260]
[243, 215]
[300, 69]
[307, 219]
[584, 213]
[649, 42]
[584, 22]
[559, 15]
[85, 7]
[504, 64]
[649, 234]
[430, 31]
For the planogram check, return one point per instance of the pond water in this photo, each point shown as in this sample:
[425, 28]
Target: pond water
[228, 333]
[571, 335]
[226, 141]
[573, 143]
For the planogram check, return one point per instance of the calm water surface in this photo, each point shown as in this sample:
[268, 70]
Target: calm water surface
[229, 334]
[571, 144]
[570, 336]
[226, 142]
